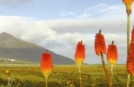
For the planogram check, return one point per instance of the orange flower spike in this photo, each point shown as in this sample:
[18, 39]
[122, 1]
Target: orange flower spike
[80, 53]
[112, 54]
[130, 60]
[46, 64]
[100, 46]
[128, 4]
[132, 36]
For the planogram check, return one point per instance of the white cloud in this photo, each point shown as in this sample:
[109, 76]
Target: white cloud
[107, 11]
[66, 13]
[88, 25]
[26, 29]
[61, 36]
[84, 15]
[106, 7]
[110, 8]
[114, 7]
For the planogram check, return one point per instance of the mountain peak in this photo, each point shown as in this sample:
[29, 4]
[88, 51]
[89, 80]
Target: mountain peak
[9, 41]
[5, 35]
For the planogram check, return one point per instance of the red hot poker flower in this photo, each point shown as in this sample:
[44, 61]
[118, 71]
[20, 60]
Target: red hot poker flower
[112, 54]
[130, 60]
[100, 46]
[80, 53]
[46, 64]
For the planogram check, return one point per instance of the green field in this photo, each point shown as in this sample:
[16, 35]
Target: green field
[29, 75]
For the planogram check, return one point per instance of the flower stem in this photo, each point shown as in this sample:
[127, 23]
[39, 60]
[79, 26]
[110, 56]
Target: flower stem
[128, 43]
[128, 32]
[46, 82]
[111, 75]
[128, 79]
[80, 76]
[105, 70]
[132, 81]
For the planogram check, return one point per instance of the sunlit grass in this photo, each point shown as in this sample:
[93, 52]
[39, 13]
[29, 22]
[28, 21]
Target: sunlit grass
[92, 75]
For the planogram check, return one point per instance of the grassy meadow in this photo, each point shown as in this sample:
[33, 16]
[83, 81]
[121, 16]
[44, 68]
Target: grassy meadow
[29, 75]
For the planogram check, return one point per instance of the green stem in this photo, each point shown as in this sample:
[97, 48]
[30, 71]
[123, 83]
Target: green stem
[105, 70]
[132, 81]
[128, 43]
[46, 82]
[128, 79]
[128, 33]
[80, 76]
[111, 75]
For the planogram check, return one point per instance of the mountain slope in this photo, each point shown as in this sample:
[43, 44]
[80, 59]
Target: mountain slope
[9, 41]
[12, 47]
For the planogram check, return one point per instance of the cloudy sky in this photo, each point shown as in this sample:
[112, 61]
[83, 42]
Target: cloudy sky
[59, 24]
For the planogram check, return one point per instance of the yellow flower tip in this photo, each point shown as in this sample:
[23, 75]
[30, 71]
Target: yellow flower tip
[112, 62]
[79, 61]
[68, 82]
[7, 71]
[46, 73]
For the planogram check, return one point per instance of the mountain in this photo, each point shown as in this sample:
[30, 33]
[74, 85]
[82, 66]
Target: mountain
[14, 48]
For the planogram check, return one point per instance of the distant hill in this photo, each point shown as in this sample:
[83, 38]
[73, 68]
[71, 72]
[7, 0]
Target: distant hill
[14, 48]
